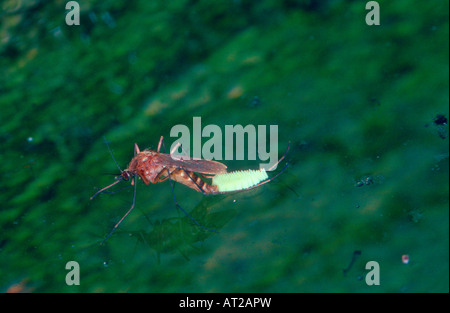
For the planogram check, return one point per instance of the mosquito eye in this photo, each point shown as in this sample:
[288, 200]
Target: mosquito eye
[125, 176]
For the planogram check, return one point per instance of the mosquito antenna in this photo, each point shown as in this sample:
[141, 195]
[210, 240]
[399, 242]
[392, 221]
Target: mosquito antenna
[128, 212]
[110, 152]
[113, 174]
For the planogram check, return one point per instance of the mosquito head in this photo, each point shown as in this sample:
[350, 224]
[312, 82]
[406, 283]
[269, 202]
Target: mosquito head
[126, 175]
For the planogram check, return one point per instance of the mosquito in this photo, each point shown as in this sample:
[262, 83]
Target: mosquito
[155, 167]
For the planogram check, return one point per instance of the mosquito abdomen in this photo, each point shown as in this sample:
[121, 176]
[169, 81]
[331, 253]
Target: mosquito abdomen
[238, 180]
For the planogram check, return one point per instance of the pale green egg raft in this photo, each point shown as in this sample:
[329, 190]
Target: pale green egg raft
[238, 180]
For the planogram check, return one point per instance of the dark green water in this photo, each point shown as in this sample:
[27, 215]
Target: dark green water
[368, 166]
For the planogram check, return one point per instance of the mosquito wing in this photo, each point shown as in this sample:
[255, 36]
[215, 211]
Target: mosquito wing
[198, 166]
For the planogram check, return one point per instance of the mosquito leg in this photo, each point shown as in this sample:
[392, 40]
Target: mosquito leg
[109, 186]
[270, 179]
[176, 172]
[193, 180]
[179, 207]
[136, 149]
[175, 148]
[158, 178]
[123, 217]
[273, 166]
[161, 141]
[184, 156]
[115, 191]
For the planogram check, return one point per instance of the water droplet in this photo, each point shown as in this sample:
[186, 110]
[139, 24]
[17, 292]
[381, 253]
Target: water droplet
[405, 259]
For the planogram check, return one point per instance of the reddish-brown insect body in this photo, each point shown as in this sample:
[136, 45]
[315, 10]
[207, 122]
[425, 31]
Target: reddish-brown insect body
[154, 167]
